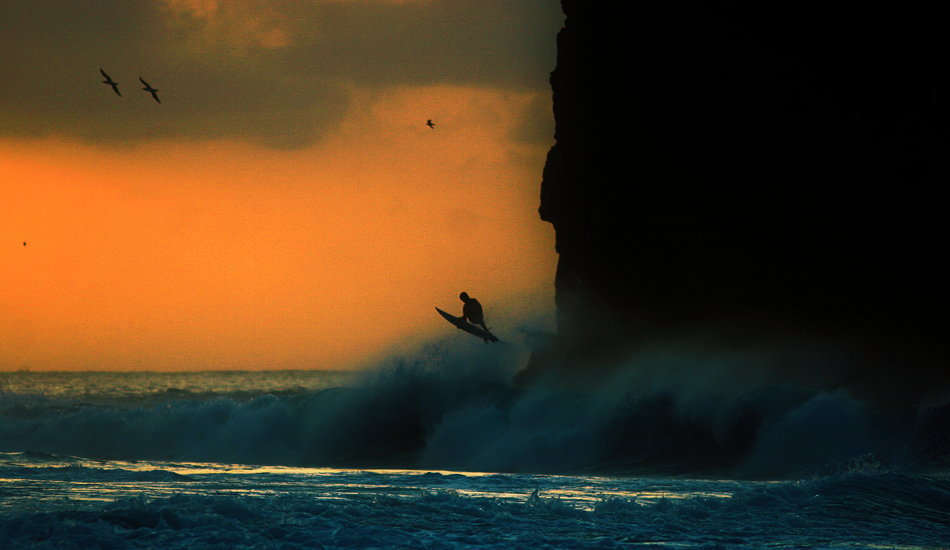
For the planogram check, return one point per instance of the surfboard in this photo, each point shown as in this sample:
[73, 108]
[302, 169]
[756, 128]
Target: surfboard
[468, 327]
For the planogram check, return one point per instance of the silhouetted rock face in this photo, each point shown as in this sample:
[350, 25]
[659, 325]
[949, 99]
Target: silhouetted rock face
[770, 165]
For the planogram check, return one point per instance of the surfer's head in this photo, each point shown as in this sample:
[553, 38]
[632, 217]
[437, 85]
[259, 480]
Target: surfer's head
[463, 296]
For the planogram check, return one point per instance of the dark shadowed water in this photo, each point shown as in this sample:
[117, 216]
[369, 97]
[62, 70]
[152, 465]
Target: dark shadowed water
[440, 451]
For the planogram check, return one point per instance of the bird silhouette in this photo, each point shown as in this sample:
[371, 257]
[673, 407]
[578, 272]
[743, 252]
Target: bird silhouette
[150, 90]
[430, 124]
[108, 80]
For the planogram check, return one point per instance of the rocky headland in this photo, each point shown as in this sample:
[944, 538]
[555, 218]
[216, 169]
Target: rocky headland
[752, 176]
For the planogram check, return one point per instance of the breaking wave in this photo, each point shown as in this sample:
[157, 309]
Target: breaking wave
[453, 407]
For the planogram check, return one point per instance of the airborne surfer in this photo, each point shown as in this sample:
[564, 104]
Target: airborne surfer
[472, 320]
[472, 311]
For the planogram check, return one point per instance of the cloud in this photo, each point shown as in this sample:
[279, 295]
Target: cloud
[276, 73]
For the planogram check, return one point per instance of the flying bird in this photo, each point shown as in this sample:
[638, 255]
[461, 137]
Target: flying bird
[108, 80]
[150, 90]
[430, 124]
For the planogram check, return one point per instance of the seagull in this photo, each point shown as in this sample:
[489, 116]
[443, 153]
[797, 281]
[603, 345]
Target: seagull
[150, 90]
[430, 124]
[108, 80]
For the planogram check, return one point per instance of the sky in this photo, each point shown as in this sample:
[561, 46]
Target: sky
[285, 205]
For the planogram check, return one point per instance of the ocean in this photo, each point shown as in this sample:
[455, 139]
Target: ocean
[439, 450]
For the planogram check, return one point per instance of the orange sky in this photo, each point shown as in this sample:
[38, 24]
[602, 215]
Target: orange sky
[225, 255]
[284, 205]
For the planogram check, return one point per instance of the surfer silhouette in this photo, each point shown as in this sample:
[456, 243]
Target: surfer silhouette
[472, 311]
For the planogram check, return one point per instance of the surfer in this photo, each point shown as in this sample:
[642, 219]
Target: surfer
[472, 311]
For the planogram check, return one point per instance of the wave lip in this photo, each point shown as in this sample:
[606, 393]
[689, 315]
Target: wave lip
[429, 421]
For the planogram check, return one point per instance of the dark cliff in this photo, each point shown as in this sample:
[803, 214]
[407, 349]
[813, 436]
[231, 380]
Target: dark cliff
[750, 171]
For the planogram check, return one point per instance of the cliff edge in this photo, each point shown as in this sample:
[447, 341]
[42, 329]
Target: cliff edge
[748, 172]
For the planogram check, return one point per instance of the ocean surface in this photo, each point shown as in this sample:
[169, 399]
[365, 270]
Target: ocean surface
[439, 450]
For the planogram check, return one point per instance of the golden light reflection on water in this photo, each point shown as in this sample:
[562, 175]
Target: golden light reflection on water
[81, 482]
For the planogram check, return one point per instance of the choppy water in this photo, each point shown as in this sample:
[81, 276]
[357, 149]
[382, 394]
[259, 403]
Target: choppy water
[64, 502]
[445, 453]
